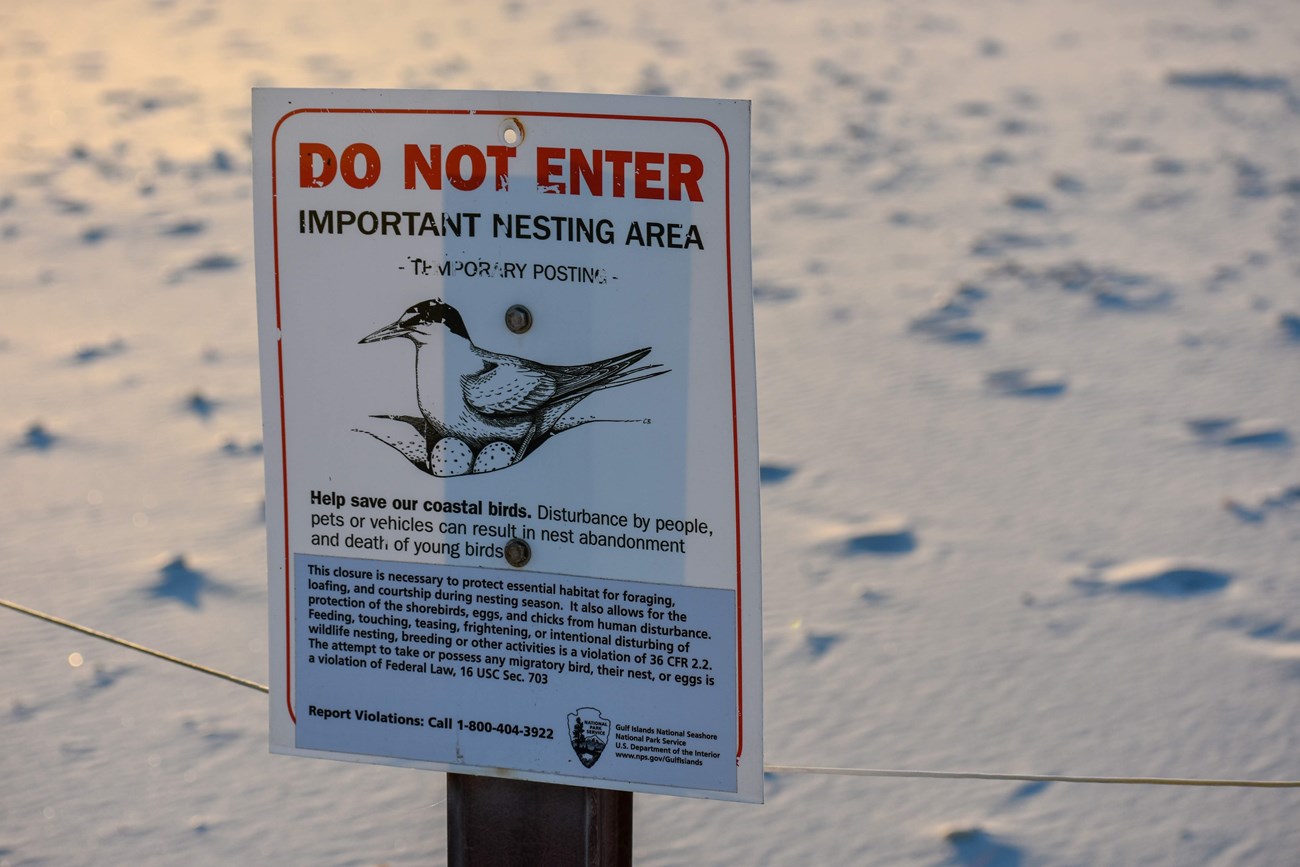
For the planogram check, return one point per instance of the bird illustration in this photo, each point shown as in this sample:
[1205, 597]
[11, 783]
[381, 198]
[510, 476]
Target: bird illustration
[506, 406]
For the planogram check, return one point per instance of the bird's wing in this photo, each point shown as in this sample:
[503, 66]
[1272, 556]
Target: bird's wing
[508, 386]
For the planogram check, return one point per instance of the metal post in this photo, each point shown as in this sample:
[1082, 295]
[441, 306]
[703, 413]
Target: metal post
[496, 821]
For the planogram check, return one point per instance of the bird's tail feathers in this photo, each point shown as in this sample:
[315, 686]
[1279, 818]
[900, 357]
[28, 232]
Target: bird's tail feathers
[612, 372]
[636, 374]
[619, 362]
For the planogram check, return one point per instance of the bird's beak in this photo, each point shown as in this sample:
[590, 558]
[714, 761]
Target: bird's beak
[394, 330]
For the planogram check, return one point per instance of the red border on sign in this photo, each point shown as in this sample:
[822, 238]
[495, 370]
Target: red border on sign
[731, 336]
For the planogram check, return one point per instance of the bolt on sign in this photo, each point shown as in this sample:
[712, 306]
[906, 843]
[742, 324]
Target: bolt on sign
[507, 358]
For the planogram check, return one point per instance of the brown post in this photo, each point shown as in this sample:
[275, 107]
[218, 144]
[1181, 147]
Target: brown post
[497, 821]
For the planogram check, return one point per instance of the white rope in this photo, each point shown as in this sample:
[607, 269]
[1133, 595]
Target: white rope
[771, 769]
[95, 633]
[1031, 778]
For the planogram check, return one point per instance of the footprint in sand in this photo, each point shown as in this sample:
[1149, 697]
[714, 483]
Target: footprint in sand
[37, 438]
[1256, 508]
[1027, 202]
[884, 535]
[1288, 322]
[92, 235]
[1027, 382]
[201, 405]
[102, 677]
[1169, 577]
[99, 351]
[818, 644]
[1232, 431]
[209, 263]
[1108, 287]
[1228, 80]
[235, 449]
[1268, 637]
[765, 293]
[187, 585]
[974, 846]
[774, 474]
[183, 228]
[951, 318]
[1001, 243]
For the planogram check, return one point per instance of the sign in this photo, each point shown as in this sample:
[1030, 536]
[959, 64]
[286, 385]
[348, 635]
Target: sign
[511, 441]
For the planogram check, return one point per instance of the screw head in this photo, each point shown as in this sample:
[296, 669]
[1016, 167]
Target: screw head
[518, 553]
[519, 318]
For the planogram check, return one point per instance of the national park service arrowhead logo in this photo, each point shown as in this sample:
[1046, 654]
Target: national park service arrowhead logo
[588, 734]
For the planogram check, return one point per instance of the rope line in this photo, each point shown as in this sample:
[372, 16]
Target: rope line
[771, 769]
[1032, 778]
[95, 633]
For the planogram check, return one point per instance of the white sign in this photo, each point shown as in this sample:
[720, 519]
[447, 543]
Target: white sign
[511, 441]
